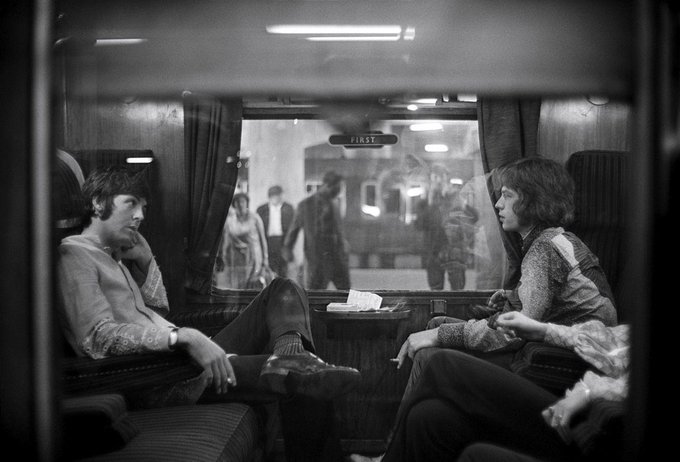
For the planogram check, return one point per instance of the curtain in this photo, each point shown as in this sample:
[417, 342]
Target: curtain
[212, 139]
[508, 130]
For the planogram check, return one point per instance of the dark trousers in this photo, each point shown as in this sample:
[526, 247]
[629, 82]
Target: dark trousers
[482, 452]
[436, 271]
[460, 400]
[423, 356]
[276, 261]
[328, 265]
[308, 425]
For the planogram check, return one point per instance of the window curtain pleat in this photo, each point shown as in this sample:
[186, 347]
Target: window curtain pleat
[508, 130]
[212, 138]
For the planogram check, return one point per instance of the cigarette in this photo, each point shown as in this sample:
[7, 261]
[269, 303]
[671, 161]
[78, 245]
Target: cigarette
[394, 360]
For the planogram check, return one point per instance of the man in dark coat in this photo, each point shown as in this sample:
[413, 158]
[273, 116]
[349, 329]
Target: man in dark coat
[277, 215]
[325, 248]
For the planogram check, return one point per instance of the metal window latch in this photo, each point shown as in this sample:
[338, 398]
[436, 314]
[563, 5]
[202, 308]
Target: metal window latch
[438, 307]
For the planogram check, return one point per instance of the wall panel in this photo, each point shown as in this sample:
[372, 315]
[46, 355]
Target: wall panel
[143, 124]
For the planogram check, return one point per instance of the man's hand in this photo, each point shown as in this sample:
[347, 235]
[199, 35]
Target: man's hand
[497, 300]
[139, 252]
[416, 341]
[217, 369]
[287, 254]
[514, 323]
[559, 415]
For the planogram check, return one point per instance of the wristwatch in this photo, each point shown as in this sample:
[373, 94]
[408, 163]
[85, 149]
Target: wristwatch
[172, 339]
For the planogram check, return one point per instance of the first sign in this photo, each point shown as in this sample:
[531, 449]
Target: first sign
[366, 140]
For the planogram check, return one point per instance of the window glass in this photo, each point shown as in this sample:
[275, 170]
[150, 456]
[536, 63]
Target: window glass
[413, 215]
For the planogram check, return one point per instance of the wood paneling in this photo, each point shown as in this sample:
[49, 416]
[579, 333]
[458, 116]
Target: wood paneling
[571, 125]
[143, 124]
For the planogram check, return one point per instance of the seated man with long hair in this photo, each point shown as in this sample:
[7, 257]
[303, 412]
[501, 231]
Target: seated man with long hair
[561, 280]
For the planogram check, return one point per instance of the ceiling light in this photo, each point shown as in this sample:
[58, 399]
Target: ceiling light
[118, 42]
[354, 38]
[332, 29]
[425, 101]
[139, 160]
[410, 33]
[426, 126]
[436, 148]
[412, 107]
[467, 98]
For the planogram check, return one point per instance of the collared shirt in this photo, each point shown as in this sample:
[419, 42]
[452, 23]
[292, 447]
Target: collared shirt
[103, 310]
[274, 228]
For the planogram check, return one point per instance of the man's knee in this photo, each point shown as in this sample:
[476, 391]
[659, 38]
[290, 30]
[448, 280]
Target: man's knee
[439, 320]
[436, 322]
[456, 365]
[429, 417]
[284, 288]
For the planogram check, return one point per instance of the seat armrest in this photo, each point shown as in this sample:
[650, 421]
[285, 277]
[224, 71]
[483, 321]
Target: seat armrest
[554, 368]
[121, 374]
[600, 434]
[95, 424]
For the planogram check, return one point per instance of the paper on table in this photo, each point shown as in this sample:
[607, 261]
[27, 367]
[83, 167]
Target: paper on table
[364, 300]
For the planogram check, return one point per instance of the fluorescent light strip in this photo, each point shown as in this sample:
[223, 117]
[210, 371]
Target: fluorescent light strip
[465, 98]
[355, 38]
[425, 101]
[436, 148]
[332, 29]
[118, 42]
[139, 160]
[424, 127]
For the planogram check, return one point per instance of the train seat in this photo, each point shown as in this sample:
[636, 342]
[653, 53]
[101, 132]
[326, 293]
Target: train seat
[602, 183]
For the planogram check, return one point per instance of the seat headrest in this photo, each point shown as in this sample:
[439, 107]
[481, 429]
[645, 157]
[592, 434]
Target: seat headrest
[67, 200]
[602, 181]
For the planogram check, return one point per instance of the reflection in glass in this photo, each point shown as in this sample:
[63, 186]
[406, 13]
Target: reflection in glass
[413, 218]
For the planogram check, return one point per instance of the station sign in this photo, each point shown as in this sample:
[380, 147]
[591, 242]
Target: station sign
[363, 140]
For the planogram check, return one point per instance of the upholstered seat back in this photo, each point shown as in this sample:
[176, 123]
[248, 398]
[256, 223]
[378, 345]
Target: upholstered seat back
[602, 183]
[67, 209]
[67, 200]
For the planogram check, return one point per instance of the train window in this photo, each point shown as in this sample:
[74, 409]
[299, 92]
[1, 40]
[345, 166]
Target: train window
[412, 215]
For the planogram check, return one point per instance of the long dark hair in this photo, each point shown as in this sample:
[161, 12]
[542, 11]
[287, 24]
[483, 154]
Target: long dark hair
[545, 188]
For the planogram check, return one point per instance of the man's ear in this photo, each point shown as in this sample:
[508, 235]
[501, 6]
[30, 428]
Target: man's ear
[97, 206]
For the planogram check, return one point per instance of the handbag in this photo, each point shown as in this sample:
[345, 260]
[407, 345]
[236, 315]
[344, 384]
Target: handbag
[266, 276]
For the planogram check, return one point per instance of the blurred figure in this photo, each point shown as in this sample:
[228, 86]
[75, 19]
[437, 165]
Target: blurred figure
[326, 250]
[448, 224]
[488, 245]
[277, 215]
[243, 257]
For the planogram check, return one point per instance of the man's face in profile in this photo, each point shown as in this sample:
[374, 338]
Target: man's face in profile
[122, 225]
